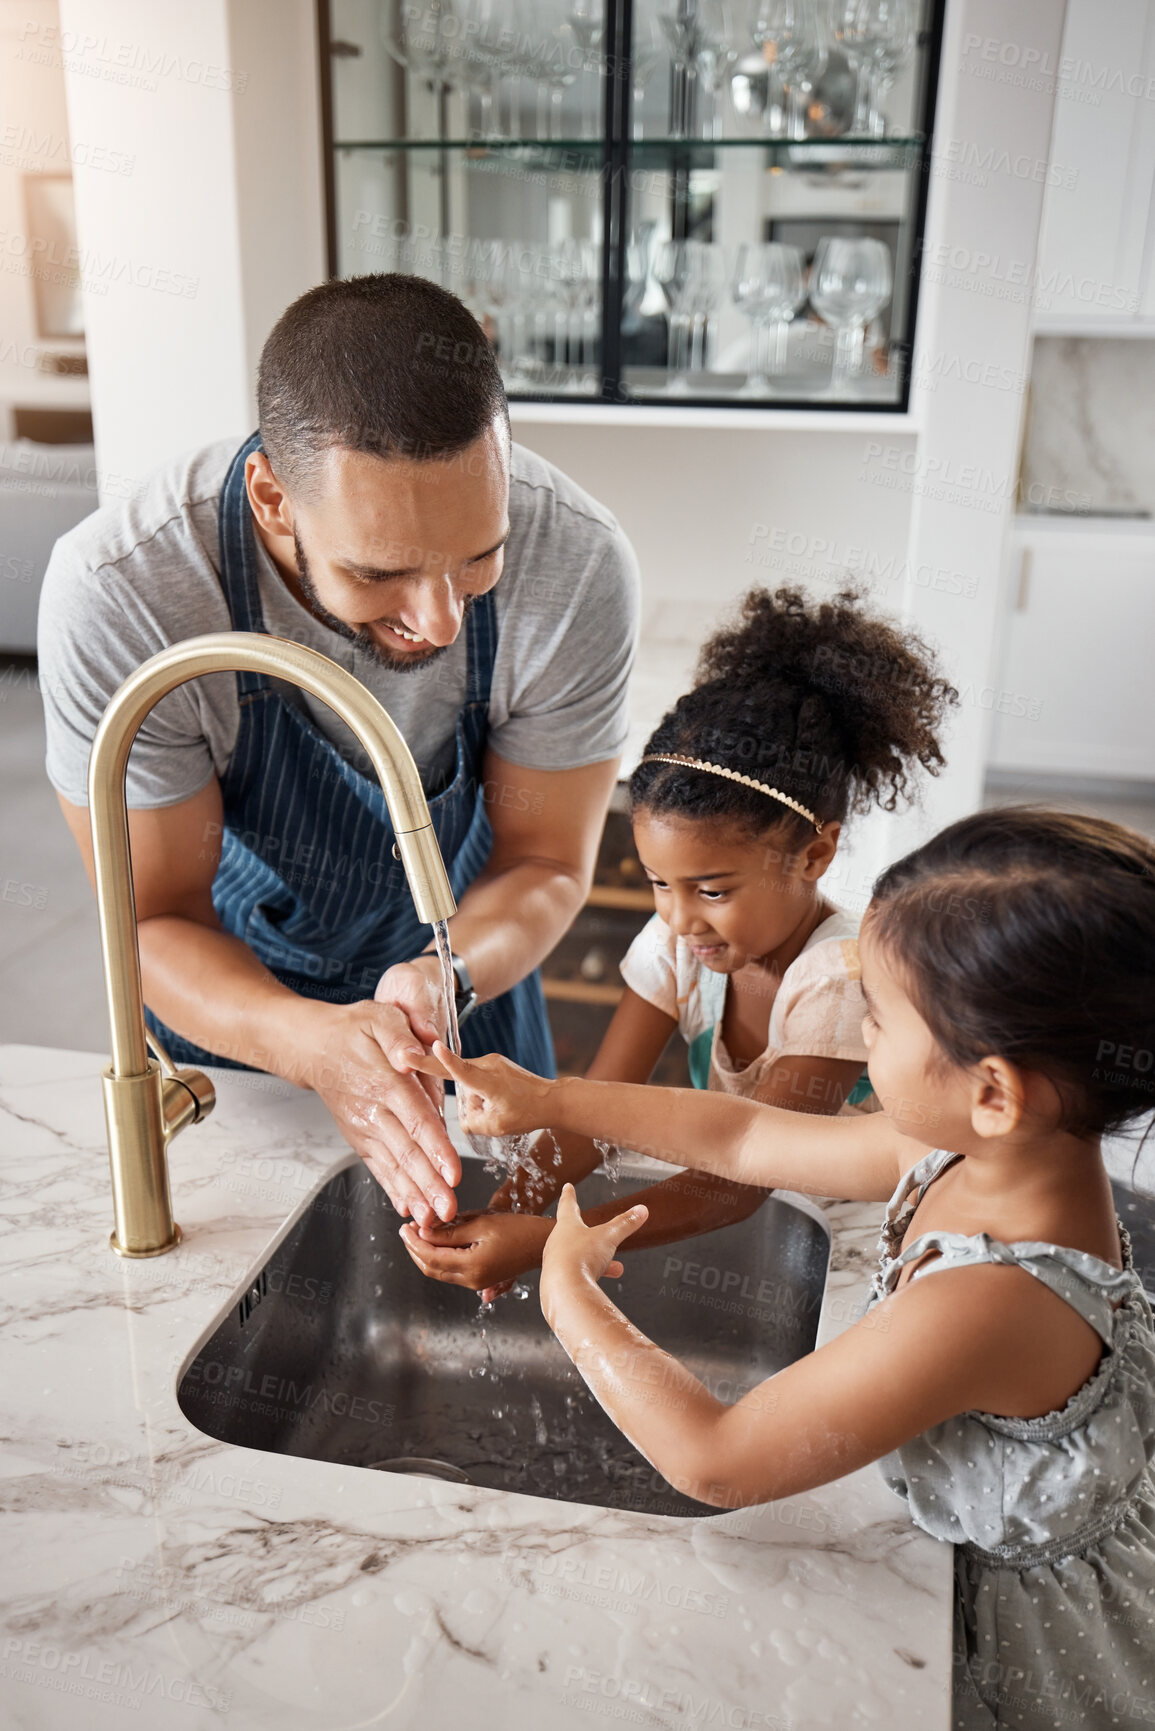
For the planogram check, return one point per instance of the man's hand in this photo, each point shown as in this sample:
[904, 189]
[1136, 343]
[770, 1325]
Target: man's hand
[367, 1056]
[417, 992]
[485, 1252]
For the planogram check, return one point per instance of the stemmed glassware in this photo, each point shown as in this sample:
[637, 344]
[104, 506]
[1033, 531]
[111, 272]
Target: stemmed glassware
[768, 286]
[685, 35]
[427, 45]
[792, 38]
[575, 330]
[557, 69]
[771, 48]
[850, 281]
[693, 276]
[586, 21]
[878, 37]
[489, 45]
[645, 52]
[718, 49]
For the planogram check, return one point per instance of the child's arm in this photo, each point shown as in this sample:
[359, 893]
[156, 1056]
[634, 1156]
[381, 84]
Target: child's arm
[915, 1360]
[694, 1202]
[742, 1140]
[631, 1046]
[488, 1250]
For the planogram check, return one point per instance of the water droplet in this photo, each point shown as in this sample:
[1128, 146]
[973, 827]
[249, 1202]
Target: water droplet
[611, 1159]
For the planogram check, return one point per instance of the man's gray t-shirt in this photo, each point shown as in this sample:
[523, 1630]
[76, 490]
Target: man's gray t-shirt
[137, 576]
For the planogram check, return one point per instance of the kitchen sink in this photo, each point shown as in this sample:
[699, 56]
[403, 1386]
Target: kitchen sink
[341, 1350]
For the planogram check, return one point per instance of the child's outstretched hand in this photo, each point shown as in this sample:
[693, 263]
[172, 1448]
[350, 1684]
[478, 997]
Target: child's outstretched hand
[494, 1096]
[484, 1251]
[575, 1252]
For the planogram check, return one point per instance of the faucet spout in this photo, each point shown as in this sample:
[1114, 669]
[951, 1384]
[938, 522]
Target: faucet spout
[146, 1104]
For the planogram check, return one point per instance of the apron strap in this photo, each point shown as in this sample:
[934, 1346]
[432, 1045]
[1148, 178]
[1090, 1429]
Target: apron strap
[239, 558]
[481, 642]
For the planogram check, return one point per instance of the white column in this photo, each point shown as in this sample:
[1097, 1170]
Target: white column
[187, 260]
[990, 167]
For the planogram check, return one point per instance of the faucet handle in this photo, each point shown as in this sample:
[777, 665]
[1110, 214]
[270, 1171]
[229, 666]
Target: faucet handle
[188, 1095]
[160, 1052]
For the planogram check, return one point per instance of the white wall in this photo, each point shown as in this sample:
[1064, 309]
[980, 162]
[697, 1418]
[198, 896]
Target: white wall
[33, 140]
[713, 511]
[991, 164]
[187, 263]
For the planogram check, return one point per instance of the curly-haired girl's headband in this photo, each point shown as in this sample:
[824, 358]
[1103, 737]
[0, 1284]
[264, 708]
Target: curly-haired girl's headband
[733, 775]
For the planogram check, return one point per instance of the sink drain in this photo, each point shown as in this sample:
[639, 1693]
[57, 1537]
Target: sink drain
[421, 1468]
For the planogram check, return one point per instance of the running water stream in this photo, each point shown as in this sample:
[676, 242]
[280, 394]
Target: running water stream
[497, 1438]
[504, 1154]
[448, 985]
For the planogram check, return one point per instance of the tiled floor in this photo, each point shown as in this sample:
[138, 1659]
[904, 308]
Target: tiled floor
[51, 989]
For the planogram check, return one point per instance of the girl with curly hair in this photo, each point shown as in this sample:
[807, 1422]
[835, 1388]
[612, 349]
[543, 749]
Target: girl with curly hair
[802, 713]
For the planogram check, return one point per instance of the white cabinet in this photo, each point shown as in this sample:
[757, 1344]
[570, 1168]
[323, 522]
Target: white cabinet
[1097, 246]
[1075, 693]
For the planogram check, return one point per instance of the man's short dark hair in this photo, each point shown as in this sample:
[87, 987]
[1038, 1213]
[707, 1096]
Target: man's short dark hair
[391, 365]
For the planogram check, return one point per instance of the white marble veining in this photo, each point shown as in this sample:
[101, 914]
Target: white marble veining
[153, 1576]
[1092, 424]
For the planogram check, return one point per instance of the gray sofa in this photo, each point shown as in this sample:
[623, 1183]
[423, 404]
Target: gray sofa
[44, 490]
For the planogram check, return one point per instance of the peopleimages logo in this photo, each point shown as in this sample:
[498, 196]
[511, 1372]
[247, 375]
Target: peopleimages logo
[83, 1673]
[235, 1383]
[97, 271]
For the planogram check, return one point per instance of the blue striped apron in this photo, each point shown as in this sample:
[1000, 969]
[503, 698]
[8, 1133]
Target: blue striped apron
[307, 877]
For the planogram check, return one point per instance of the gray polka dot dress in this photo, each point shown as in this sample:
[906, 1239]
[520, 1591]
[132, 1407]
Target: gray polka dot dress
[1052, 1518]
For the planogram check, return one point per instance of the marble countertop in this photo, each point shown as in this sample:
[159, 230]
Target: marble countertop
[154, 1576]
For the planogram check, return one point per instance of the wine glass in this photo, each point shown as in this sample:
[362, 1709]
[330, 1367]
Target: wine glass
[639, 259]
[563, 58]
[718, 49]
[426, 45]
[512, 290]
[693, 275]
[768, 286]
[850, 281]
[878, 37]
[586, 21]
[890, 28]
[684, 33]
[645, 52]
[790, 34]
[579, 282]
[488, 44]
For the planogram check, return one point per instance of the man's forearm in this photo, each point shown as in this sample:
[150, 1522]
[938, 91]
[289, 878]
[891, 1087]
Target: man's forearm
[508, 923]
[211, 988]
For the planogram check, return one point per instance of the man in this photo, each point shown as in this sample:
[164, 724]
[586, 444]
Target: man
[382, 516]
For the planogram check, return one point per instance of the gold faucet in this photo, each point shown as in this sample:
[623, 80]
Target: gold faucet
[146, 1103]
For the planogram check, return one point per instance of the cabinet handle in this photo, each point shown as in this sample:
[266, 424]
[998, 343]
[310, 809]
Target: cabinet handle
[1024, 589]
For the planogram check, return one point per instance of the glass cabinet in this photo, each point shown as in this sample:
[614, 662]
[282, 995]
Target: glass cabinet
[685, 202]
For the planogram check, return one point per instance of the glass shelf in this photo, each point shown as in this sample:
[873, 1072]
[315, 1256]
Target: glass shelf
[591, 147]
[560, 244]
[803, 151]
[815, 155]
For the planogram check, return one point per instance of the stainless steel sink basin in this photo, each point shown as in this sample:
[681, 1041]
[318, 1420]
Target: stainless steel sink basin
[341, 1350]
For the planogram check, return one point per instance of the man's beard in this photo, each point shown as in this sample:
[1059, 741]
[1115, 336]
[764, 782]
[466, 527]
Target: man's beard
[359, 635]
